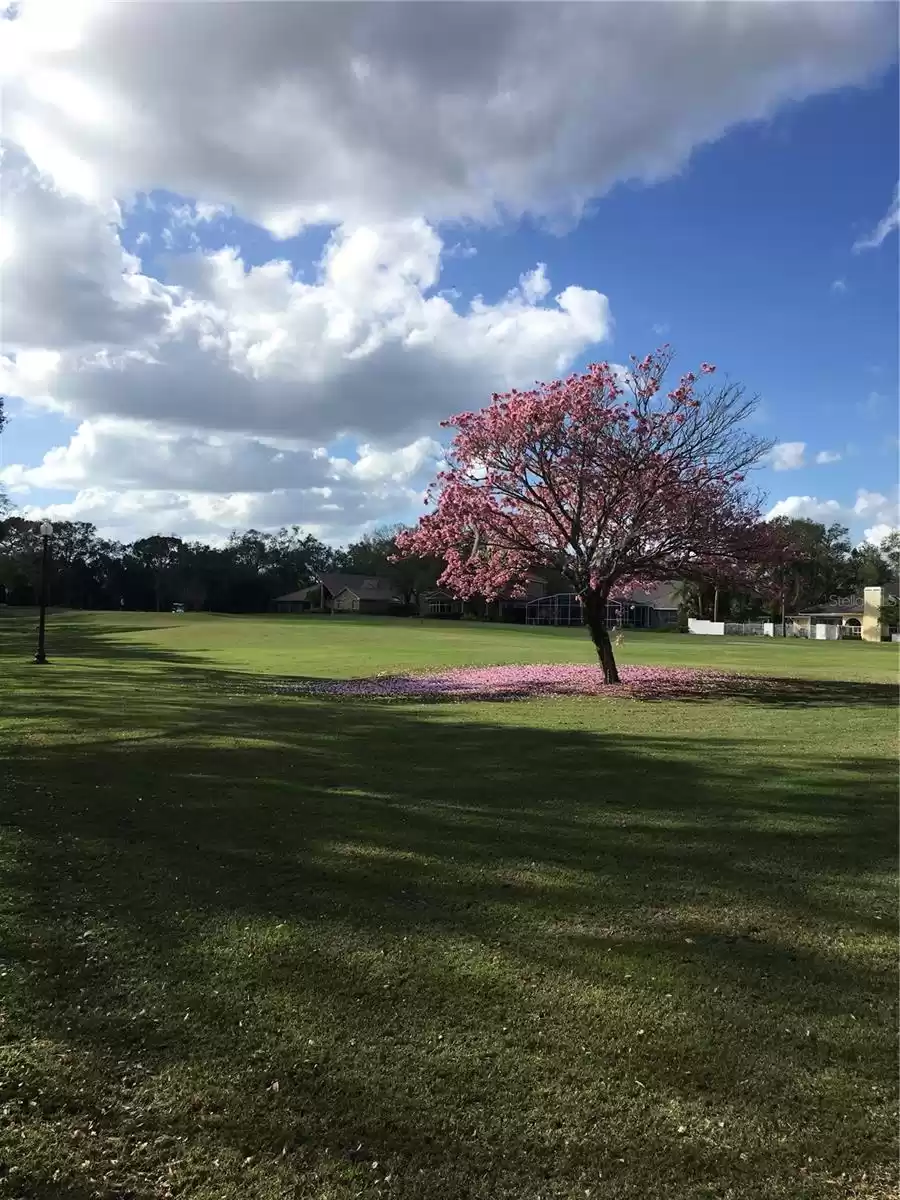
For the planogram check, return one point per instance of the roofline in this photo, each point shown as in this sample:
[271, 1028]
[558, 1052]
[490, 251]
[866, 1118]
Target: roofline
[847, 612]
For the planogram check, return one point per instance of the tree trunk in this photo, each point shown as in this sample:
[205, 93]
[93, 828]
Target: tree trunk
[595, 618]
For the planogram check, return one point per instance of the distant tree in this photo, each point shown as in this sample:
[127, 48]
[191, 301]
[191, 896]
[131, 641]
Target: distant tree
[157, 555]
[889, 549]
[91, 572]
[869, 567]
[377, 553]
[296, 559]
[76, 571]
[890, 552]
[611, 481]
[810, 563]
[20, 548]
[4, 501]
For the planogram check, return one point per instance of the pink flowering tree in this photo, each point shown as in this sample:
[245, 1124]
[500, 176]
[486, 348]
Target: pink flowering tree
[606, 478]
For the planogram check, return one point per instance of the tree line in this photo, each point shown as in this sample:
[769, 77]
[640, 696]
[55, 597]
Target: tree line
[244, 574]
[252, 567]
[821, 564]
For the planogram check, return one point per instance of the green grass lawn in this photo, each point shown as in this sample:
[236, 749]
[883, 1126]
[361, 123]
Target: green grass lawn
[258, 946]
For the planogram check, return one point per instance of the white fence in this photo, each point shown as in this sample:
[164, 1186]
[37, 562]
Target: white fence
[827, 633]
[773, 629]
[745, 628]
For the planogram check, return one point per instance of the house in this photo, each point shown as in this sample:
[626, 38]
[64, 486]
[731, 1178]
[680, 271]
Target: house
[653, 607]
[294, 602]
[373, 596]
[440, 603]
[849, 617]
[335, 592]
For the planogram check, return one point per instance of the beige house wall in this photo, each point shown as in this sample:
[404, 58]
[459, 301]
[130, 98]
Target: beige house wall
[873, 598]
[346, 601]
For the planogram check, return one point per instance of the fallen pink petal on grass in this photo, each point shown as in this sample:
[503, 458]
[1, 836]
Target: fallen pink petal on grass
[524, 681]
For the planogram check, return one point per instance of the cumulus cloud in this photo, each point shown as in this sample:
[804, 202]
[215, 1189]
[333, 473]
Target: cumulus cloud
[810, 507]
[788, 456]
[367, 348]
[65, 281]
[125, 515]
[882, 511]
[877, 533]
[828, 456]
[226, 379]
[204, 400]
[304, 113]
[133, 473]
[888, 223]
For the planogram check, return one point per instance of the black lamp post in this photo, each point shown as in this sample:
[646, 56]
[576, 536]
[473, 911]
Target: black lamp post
[46, 532]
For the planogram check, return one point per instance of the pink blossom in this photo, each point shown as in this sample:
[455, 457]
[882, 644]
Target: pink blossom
[599, 477]
[524, 681]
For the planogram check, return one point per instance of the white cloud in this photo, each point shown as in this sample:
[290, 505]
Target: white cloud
[461, 250]
[366, 349]
[808, 506]
[227, 379]
[876, 506]
[534, 284]
[395, 466]
[202, 212]
[882, 511]
[788, 456]
[828, 456]
[130, 474]
[125, 515]
[838, 287]
[877, 533]
[888, 223]
[304, 113]
[65, 281]
[129, 455]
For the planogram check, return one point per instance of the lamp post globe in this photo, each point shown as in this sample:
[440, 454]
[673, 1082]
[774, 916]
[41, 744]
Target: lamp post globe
[46, 532]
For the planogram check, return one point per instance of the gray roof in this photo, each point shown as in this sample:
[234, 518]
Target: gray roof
[845, 608]
[303, 594]
[361, 585]
[372, 593]
[657, 595]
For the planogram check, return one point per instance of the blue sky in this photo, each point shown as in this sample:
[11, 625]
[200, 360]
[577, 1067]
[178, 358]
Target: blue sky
[742, 249]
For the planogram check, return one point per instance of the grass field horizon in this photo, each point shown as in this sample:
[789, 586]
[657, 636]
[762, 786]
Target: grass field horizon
[257, 945]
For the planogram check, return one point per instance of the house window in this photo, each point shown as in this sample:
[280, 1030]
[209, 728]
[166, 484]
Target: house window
[440, 608]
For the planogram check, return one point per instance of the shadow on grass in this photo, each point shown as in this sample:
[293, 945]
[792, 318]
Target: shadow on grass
[494, 959]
